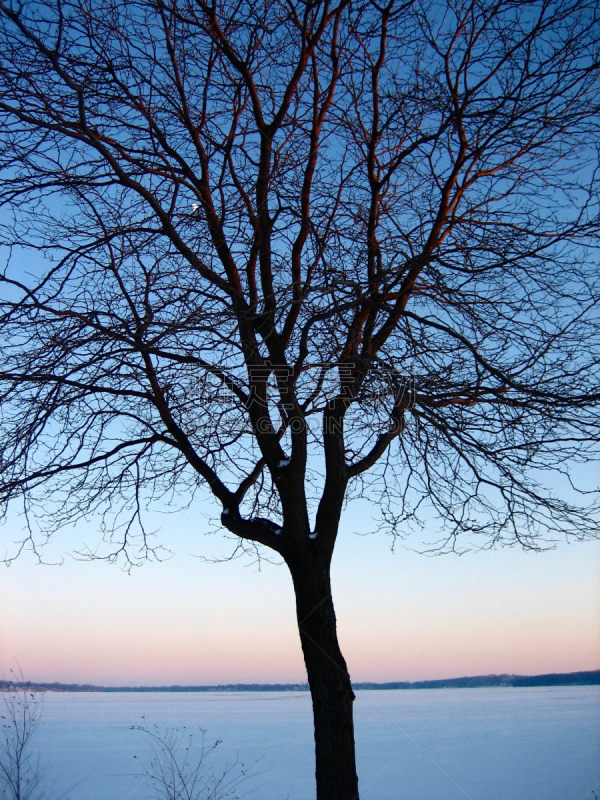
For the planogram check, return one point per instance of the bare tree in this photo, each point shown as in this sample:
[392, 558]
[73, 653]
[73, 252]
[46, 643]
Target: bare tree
[179, 768]
[21, 775]
[228, 221]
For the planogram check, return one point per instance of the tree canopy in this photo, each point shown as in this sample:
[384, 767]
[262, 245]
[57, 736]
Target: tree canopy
[356, 202]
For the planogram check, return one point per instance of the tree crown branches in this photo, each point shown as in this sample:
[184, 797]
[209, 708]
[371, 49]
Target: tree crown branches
[293, 250]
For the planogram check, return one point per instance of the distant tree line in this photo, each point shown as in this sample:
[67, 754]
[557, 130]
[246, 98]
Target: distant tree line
[586, 678]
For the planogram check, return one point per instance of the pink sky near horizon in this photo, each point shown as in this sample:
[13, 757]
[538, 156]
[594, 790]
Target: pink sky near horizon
[401, 616]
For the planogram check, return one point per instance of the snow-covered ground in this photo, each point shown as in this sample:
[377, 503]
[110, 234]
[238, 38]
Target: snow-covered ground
[436, 744]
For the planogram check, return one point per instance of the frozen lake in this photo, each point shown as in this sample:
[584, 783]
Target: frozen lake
[434, 744]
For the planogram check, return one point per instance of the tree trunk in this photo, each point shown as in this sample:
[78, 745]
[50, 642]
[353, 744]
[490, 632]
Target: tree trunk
[329, 682]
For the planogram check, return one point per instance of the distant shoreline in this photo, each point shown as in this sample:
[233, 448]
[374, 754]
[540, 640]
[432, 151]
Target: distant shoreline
[589, 678]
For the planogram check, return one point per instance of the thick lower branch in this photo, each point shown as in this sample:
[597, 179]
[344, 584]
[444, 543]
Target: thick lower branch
[258, 529]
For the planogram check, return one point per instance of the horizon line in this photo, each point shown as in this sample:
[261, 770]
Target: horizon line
[582, 677]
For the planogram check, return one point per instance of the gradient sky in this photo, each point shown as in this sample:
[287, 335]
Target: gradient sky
[402, 615]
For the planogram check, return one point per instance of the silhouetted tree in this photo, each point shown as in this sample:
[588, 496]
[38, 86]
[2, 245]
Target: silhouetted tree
[227, 220]
[21, 775]
[179, 767]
